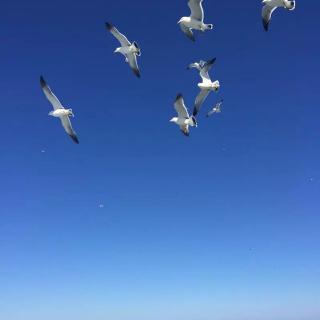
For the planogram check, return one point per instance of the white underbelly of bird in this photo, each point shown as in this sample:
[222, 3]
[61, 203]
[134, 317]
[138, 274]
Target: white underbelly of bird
[196, 24]
[182, 122]
[60, 113]
[211, 86]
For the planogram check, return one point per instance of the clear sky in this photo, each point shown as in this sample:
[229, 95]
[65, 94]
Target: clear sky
[139, 222]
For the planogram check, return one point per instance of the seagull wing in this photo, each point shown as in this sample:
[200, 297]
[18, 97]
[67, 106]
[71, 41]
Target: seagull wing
[132, 60]
[208, 64]
[188, 32]
[267, 11]
[185, 130]
[204, 72]
[50, 95]
[181, 107]
[196, 9]
[119, 36]
[66, 123]
[205, 76]
[202, 96]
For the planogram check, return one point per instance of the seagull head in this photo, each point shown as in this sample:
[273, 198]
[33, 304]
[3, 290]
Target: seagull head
[216, 85]
[290, 5]
[70, 113]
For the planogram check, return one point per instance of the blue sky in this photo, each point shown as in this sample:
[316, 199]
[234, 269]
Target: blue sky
[222, 225]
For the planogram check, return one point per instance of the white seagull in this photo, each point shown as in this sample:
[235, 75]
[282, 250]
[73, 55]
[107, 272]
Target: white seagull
[216, 109]
[59, 111]
[128, 49]
[271, 5]
[195, 21]
[205, 86]
[184, 121]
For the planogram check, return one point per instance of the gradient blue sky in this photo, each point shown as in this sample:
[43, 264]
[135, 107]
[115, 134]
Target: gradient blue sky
[222, 225]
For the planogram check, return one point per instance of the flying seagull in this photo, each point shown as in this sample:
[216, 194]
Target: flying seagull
[184, 121]
[216, 109]
[195, 21]
[59, 111]
[270, 6]
[206, 85]
[130, 50]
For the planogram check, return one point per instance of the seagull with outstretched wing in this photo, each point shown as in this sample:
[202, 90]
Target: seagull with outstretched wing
[215, 109]
[130, 50]
[195, 21]
[271, 5]
[184, 121]
[59, 111]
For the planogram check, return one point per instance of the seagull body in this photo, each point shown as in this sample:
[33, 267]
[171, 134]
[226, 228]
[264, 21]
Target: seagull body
[207, 85]
[271, 5]
[184, 121]
[195, 21]
[59, 111]
[216, 109]
[130, 50]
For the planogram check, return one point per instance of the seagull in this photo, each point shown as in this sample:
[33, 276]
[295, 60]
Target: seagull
[216, 109]
[130, 50]
[183, 120]
[59, 111]
[195, 21]
[271, 5]
[206, 85]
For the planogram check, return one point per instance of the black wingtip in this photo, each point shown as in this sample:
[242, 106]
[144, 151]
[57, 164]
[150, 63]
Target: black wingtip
[109, 26]
[195, 112]
[179, 96]
[187, 134]
[75, 139]
[137, 73]
[212, 61]
[42, 82]
[265, 25]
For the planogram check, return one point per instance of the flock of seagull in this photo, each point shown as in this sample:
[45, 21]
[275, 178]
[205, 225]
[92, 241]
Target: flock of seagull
[131, 51]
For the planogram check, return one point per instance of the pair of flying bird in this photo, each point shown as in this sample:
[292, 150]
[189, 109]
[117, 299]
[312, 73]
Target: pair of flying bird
[196, 20]
[130, 50]
[184, 120]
